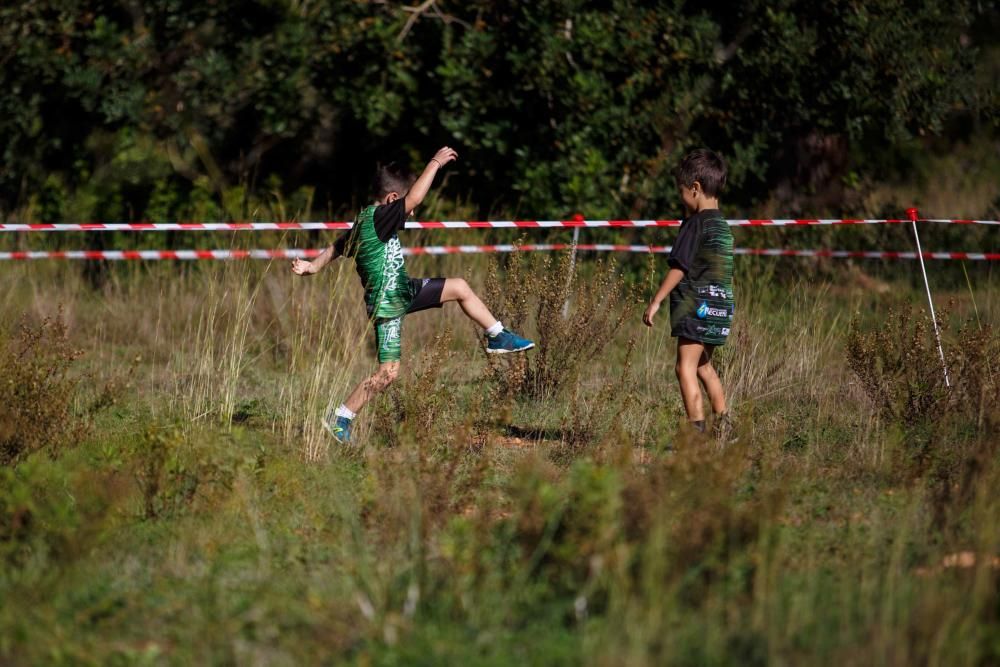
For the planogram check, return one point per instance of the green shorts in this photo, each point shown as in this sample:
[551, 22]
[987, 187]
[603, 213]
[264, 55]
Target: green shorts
[389, 330]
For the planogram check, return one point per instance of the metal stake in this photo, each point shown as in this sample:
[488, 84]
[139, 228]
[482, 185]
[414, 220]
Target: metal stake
[914, 215]
[572, 264]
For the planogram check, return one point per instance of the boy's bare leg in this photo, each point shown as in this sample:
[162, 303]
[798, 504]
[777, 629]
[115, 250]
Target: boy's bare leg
[456, 289]
[689, 353]
[385, 375]
[709, 378]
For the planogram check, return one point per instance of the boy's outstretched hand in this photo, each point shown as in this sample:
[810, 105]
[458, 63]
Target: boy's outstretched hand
[647, 317]
[444, 156]
[301, 267]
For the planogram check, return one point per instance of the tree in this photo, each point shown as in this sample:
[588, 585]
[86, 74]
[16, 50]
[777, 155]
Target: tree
[171, 108]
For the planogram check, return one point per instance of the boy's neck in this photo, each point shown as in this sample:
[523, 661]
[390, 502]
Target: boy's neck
[704, 204]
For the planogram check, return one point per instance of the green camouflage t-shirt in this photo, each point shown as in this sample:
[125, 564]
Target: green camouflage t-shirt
[702, 305]
[378, 256]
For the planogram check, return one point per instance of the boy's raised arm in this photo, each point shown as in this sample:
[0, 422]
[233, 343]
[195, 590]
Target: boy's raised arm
[423, 184]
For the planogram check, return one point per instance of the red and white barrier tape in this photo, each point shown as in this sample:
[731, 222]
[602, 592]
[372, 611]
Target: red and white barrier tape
[115, 255]
[282, 253]
[767, 252]
[496, 224]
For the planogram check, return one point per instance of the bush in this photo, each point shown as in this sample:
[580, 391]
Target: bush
[568, 340]
[423, 403]
[37, 391]
[592, 421]
[900, 370]
[564, 105]
[50, 515]
[177, 473]
[949, 434]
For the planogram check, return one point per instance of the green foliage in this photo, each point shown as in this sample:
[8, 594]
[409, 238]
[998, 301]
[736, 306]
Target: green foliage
[596, 418]
[176, 473]
[32, 520]
[424, 403]
[144, 109]
[44, 524]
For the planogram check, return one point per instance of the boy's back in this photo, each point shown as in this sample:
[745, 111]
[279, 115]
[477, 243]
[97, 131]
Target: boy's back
[374, 244]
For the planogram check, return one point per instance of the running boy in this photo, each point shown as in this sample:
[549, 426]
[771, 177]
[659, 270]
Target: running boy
[390, 294]
[699, 283]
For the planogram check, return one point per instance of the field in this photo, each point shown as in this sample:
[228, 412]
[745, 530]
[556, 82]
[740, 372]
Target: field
[168, 495]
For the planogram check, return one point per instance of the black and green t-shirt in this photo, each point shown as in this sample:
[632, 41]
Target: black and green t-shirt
[702, 305]
[373, 242]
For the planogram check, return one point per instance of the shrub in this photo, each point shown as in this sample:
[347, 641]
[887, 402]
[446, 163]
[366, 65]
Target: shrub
[897, 368]
[50, 515]
[568, 337]
[34, 521]
[423, 402]
[900, 370]
[591, 421]
[949, 433]
[177, 472]
[37, 389]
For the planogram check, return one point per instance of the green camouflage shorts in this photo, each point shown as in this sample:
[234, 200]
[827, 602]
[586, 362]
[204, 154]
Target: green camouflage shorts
[426, 294]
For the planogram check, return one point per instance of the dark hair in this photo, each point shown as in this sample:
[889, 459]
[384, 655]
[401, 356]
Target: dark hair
[391, 178]
[704, 166]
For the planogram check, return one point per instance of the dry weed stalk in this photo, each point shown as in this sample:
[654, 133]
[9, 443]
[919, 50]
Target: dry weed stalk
[599, 307]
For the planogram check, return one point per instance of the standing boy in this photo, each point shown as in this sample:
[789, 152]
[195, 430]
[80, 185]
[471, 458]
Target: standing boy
[699, 283]
[390, 294]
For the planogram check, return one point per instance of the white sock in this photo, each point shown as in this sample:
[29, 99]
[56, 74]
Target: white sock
[344, 411]
[495, 330]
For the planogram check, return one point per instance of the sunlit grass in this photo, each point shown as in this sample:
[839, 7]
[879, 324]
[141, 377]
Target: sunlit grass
[205, 518]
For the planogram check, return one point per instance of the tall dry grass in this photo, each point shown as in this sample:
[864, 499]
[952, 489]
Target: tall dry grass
[461, 532]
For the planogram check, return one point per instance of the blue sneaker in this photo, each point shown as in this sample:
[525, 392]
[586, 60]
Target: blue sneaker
[507, 341]
[340, 429]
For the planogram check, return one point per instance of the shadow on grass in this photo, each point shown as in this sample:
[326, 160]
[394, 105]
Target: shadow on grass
[529, 433]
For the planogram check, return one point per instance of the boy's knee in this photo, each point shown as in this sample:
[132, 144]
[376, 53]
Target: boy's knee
[683, 371]
[389, 374]
[384, 376]
[462, 288]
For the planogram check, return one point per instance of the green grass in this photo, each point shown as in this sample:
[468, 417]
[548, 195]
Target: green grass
[203, 518]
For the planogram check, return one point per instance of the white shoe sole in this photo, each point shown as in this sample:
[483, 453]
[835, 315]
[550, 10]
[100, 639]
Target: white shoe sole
[520, 349]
